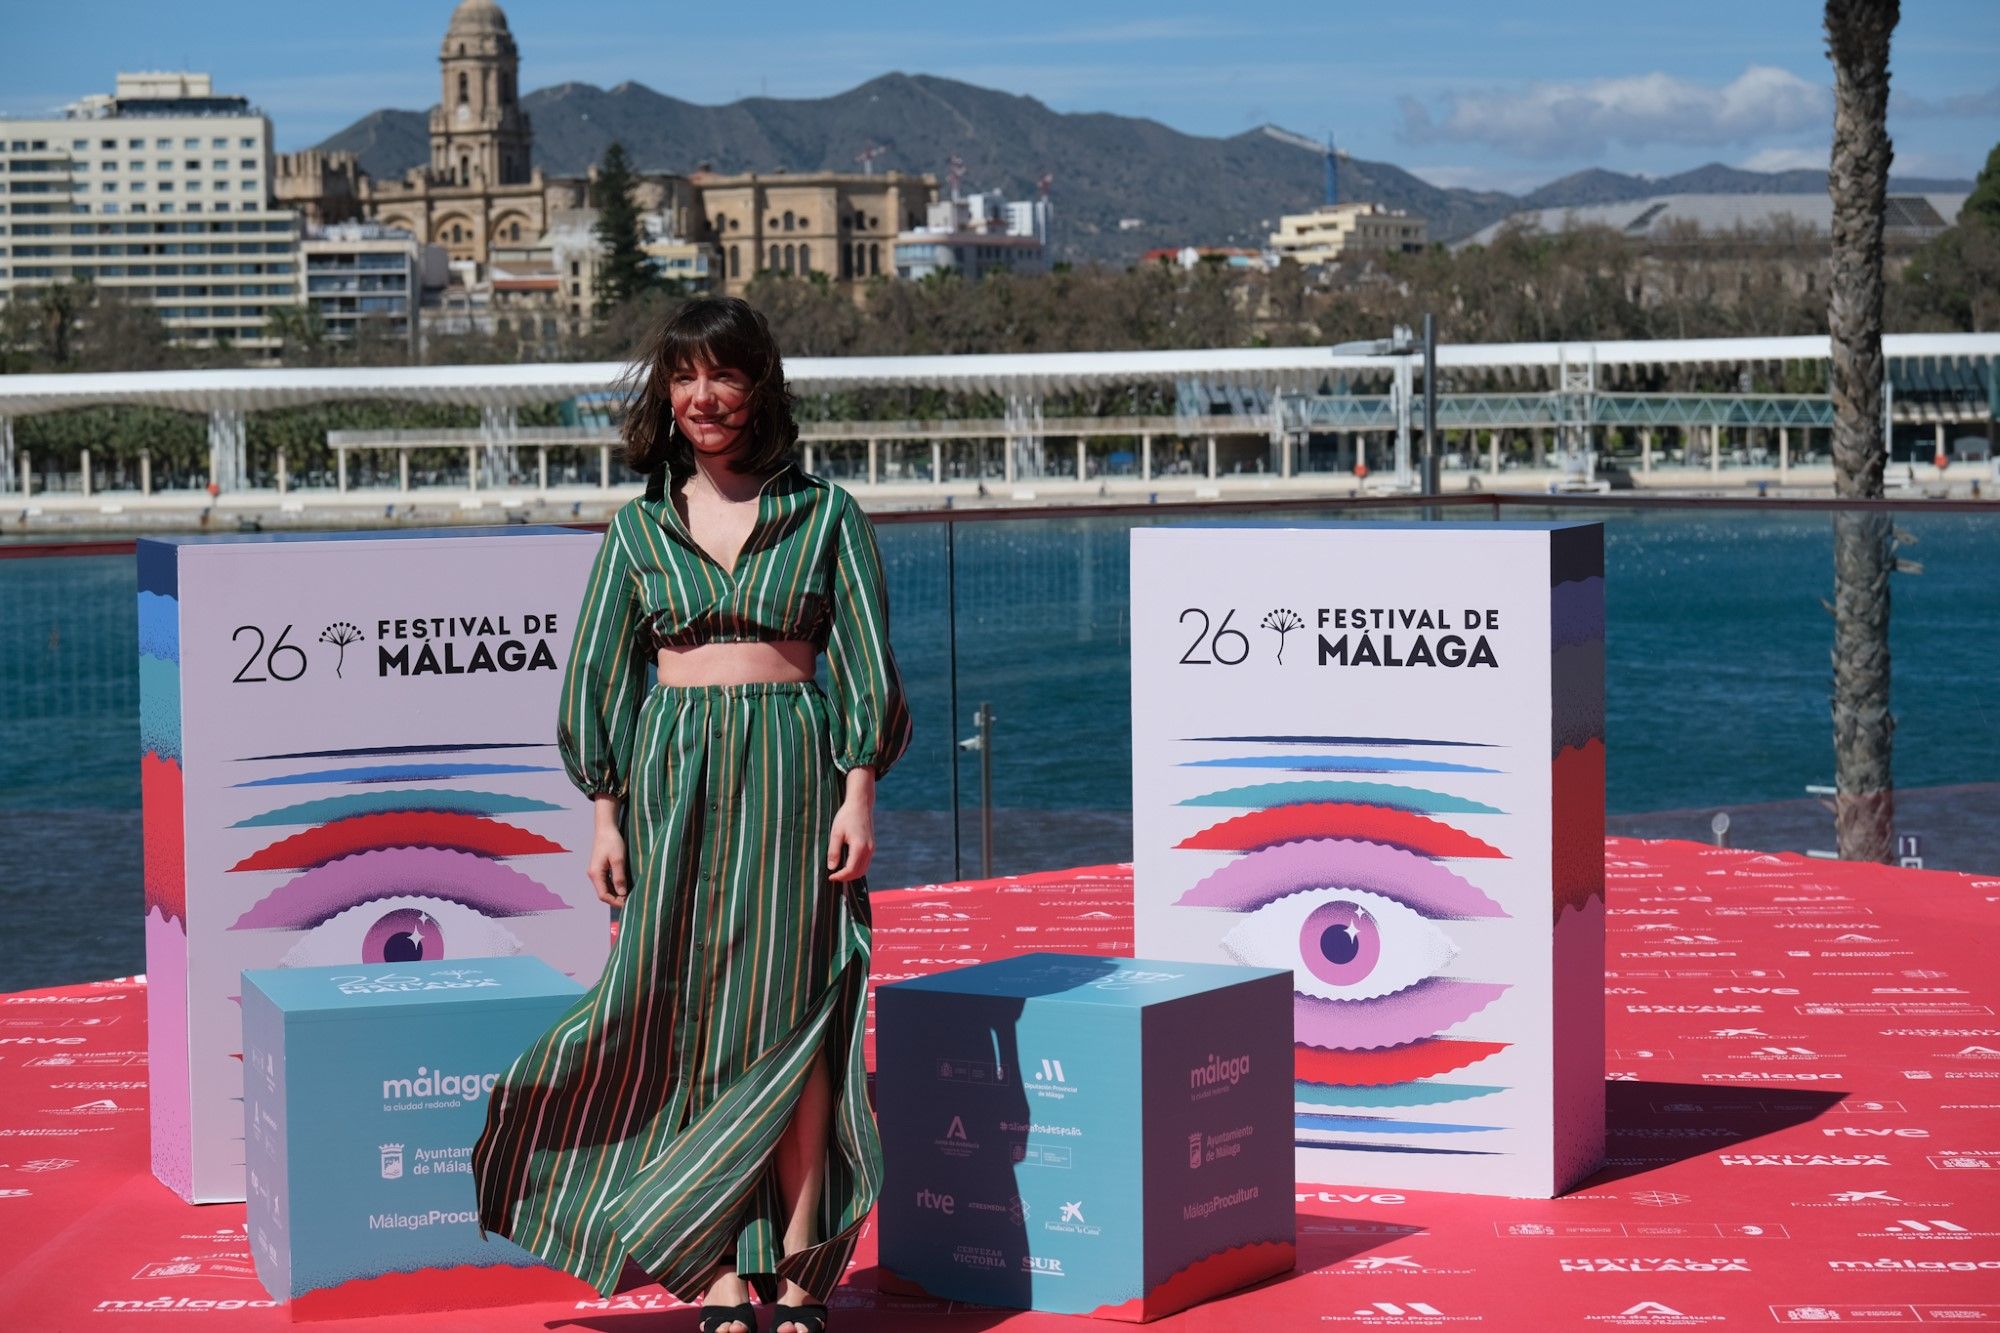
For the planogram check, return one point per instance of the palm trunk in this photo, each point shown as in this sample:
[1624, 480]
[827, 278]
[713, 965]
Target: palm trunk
[1857, 33]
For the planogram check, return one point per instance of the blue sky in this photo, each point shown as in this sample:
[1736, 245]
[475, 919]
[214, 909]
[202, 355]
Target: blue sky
[1501, 93]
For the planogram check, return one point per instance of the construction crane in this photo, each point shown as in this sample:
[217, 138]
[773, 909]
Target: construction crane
[866, 157]
[1326, 150]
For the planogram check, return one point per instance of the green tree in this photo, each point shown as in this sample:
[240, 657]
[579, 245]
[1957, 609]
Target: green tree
[623, 271]
[1983, 204]
[302, 333]
[1864, 808]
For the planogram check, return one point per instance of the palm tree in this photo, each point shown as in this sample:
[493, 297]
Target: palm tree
[1857, 41]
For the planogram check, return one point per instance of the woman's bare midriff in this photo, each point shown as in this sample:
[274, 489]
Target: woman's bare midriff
[737, 663]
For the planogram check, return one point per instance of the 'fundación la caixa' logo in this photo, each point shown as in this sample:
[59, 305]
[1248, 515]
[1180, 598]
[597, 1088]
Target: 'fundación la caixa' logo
[1350, 636]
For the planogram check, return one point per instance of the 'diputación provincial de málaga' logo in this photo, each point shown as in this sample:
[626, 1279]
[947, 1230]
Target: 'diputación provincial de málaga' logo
[340, 633]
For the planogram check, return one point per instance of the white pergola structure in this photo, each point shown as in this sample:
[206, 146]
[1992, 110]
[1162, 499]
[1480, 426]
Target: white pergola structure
[1297, 382]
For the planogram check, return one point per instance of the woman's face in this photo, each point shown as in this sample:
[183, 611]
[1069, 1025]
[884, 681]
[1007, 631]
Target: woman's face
[711, 406]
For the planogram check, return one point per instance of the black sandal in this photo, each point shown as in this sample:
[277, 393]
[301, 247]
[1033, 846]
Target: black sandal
[811, 1317]
[713, 1317]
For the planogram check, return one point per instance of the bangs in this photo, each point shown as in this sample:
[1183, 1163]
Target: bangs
[714, 336]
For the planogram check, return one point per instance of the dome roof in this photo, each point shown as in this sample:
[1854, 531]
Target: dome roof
[477, 16]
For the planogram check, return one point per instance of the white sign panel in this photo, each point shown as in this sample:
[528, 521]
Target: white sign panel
[349, 757]
[1373, 754]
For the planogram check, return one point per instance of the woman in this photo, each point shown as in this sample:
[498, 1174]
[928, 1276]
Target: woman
[703, 1108]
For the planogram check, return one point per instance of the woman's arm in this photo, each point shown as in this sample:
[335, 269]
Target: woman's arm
[607, 676]
[871, 716]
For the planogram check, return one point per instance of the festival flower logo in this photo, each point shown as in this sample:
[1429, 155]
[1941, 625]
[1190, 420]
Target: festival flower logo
[340, 633]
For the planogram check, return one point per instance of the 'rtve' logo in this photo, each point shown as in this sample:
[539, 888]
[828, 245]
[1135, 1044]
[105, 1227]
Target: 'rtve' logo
[938, 1203]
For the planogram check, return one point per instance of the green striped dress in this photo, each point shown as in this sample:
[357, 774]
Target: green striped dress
[645, 1122]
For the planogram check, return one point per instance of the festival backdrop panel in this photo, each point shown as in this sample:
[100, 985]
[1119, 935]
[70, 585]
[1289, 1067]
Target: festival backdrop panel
[348, 757]
[1373, 754]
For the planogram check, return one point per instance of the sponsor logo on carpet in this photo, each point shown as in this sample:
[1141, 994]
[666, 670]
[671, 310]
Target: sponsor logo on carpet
[1653, 1264]
[165, 1304]
[1803, 1159]
[1887, 1265]
[1654, 1314]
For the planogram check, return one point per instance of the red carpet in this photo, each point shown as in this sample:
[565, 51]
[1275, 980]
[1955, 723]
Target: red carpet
[1806, 1066]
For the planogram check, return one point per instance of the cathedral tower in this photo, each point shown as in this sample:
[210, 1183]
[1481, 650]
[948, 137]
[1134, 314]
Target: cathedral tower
[479, 134]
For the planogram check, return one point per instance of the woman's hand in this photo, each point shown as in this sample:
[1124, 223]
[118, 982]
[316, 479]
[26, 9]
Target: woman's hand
[852, 837]
[607, 855]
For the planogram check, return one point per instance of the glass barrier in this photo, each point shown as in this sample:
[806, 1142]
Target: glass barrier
[1717, 694]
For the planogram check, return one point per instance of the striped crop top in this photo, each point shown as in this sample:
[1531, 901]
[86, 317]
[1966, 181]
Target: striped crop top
[809, 570]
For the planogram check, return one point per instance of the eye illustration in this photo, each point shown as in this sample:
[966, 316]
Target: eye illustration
[482, 884]
[409, 928]
[382, 875]
[1251, 881]
[1354, 945]
[1348, 882]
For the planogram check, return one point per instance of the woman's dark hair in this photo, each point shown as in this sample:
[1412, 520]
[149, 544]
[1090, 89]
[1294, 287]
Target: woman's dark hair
[727, 333]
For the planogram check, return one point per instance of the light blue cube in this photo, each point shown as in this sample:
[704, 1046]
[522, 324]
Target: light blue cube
[1104, 1136]
[364, 1090]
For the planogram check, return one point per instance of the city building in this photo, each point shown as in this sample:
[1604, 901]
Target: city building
[323, 187]
[545, 286]
[158, 190]
[480, 195]
[1333, 232]
[974, 236]
[361, 276]
[479, 188]
[841, 224]
[1716, 220]
[1223, 256]
[1731, 249]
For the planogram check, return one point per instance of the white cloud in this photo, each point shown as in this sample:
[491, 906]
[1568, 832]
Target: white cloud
[1976, 106]
[1556, 120]
[1511, 181]
[1787, 159]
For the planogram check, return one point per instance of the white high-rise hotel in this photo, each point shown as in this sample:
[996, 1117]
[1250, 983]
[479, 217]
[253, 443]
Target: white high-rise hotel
[161, 189]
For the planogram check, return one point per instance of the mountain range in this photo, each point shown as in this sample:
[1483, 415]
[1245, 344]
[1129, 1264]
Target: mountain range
[1121, 184]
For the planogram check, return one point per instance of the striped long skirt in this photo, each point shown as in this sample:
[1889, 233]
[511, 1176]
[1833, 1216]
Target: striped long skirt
[645, 1122]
